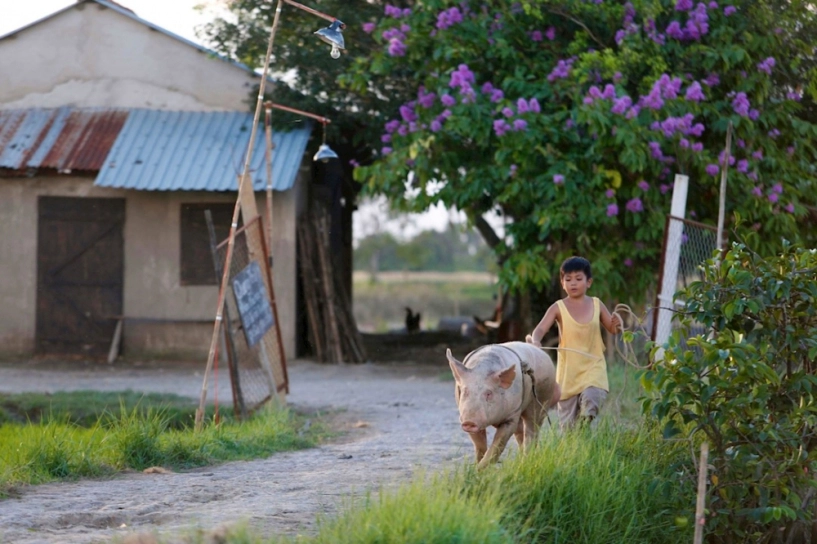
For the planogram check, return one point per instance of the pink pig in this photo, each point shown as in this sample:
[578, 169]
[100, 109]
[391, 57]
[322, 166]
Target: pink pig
[495, 385]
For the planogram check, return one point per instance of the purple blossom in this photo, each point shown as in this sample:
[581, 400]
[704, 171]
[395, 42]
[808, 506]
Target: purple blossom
[774, 133]
[743, 166]
[655, 150]
[448, 100]
[697, 147]
[435, 125]
[794, 95]
[777, 188]
[385, 151]
[385, 138]
[407, 113]
[558, 179]
[354, 163]
[712, 169]
[402, 130]
[683, 5]
[446, 114]
[628, 262]
[684, 143]
[620, 105]
[773, 197]
[368, 28]
[610, 193]
[512, 170]
[790, 207]
[425, 99]
[533, 105]
[497, 95]
[520, 124]
[790, 150]
[766, 65]
[612, 209]
[562, 70]
[635, 205]
[609, 92]
[397, 48]
[758, 155]
[392, 125]
[713, 5]
[741, 104]
[712, 80]
[664, 188]
[507, 112]
[501, 126]
[754, 114]
[633, 112]
[448, 18]
[536, 35]
[643, 185]
[729, 10]
[522, 106]
[757, 191]
[752, 175]
[462, 77]
[393, 11]
[694, 92]
[675, 31]
[550, 33]
[487, 87]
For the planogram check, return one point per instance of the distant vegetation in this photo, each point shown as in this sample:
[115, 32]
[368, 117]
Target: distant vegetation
[454, 250]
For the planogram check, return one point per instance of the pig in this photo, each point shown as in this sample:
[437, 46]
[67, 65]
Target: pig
[493, 388]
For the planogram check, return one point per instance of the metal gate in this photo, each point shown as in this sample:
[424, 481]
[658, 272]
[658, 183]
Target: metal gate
[80, 269]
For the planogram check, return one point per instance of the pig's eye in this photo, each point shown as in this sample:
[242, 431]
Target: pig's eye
[489, 395]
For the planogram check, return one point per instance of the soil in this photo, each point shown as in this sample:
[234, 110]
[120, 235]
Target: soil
[399, 419]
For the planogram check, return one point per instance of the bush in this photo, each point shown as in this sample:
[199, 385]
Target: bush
[747, 387]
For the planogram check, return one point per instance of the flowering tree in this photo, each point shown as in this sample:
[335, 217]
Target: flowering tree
[571, 118]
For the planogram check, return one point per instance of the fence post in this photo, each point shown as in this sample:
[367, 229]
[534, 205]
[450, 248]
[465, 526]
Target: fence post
[669, 279]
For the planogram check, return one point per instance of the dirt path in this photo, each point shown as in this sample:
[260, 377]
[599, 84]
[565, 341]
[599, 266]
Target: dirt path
[412, 426]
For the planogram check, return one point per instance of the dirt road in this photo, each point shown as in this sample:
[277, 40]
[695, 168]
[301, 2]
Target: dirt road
[412, 425]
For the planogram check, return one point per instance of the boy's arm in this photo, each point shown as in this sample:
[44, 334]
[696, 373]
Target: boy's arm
[610, 322]
[544, 325]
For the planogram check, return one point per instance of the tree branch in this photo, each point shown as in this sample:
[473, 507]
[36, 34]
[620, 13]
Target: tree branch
[578, 22]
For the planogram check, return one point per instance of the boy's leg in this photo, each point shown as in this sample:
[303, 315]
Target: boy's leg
[590, 402]
[568, 412]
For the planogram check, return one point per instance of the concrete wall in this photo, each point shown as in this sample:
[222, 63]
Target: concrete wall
[91, 56]
[152, 288]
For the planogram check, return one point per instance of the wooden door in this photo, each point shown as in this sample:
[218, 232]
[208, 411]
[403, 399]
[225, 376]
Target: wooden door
[80, 268]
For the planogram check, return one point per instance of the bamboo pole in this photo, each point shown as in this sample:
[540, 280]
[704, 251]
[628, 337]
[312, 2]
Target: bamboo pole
[722, 201]
[700, 517]
[234, 223]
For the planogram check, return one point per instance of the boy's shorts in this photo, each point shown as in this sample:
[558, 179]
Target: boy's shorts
[585, 404]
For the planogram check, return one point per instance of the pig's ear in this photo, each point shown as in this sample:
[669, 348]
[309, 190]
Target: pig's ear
[457, 368]
[506, 377]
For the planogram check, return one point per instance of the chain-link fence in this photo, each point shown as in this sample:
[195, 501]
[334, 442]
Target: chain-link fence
[687, 244]
[257, 372]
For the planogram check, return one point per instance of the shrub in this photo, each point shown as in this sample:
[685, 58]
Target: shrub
[747, 387]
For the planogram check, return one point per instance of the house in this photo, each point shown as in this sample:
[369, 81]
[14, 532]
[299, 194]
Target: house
[115, 136]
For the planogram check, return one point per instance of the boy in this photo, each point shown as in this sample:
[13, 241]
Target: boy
[582, 376]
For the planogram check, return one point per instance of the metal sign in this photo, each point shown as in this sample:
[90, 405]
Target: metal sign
[253, 303]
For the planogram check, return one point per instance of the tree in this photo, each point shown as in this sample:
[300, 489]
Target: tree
[572, 117]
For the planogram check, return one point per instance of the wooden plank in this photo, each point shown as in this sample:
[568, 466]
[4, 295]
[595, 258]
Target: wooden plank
[113, 353]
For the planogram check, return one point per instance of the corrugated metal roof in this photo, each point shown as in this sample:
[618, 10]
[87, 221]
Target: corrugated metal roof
[64, 139]
[197, 151]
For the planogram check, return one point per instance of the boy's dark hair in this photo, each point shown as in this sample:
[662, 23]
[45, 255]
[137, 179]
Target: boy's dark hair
[575, 264]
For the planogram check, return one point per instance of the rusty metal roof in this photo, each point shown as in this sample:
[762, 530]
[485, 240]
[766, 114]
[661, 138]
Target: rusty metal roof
[64, 139]
[150, 150]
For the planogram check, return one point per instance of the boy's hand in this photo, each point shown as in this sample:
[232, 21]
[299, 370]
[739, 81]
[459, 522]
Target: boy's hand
[615, 322]
[529, 340]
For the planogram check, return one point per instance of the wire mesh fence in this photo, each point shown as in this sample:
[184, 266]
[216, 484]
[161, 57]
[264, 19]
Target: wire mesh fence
[257, 372]
[687, 245]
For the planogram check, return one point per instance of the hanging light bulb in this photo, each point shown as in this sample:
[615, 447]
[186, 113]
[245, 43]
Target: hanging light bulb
[333, 36]
[325, 153]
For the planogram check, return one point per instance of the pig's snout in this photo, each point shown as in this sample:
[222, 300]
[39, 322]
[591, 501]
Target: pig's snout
[470, 427]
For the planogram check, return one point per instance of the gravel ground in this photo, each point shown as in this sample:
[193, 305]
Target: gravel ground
[400, 418]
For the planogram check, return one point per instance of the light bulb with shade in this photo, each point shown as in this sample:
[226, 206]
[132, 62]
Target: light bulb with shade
[332, 35]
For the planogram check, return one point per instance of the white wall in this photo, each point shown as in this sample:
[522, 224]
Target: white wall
[91, 56]
[152, 289]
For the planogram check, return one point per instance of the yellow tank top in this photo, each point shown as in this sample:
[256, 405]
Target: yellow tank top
[576, 372]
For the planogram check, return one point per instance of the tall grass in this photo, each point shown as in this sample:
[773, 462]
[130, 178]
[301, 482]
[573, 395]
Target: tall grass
[593, 486]
[56, 448]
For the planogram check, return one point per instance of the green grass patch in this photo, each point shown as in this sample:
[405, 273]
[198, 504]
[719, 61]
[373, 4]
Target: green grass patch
[58, 447]
[605, 485]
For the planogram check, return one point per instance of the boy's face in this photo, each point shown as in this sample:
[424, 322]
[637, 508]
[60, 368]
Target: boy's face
[576, 284]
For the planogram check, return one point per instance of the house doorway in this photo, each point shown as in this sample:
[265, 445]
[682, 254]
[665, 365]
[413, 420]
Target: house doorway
[80, 269]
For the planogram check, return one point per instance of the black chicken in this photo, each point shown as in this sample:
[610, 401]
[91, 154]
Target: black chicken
[412, 321]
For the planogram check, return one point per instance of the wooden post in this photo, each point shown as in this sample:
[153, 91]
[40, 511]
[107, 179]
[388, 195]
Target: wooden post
[325, 273]
[700, 517]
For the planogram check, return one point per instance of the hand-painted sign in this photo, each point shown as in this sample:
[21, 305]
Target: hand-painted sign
[253, 303]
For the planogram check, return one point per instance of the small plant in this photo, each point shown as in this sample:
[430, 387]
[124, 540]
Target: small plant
[747, 387]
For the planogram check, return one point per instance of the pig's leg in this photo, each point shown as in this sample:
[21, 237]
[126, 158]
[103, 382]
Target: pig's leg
[531, 418]
[501, 437]
[480, 440]
[519, 434]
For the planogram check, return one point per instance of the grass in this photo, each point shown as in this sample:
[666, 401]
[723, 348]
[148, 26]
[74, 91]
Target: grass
[97, 440]
[606, 485]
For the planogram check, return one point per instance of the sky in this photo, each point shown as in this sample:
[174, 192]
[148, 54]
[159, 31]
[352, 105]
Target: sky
[181, 17]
